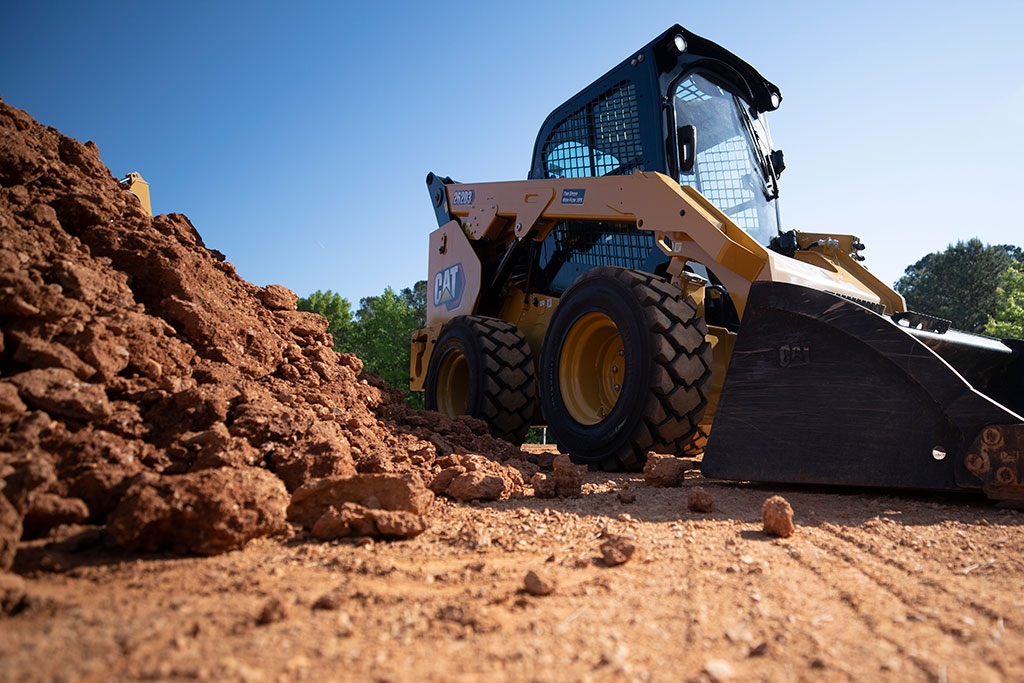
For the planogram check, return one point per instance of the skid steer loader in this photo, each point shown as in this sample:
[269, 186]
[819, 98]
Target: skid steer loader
[637, 293]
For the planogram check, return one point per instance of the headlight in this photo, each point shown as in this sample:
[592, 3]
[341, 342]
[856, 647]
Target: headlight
[680, 42]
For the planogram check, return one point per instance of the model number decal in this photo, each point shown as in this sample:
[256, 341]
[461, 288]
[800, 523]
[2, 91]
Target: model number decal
[462, 197]
[573, 196]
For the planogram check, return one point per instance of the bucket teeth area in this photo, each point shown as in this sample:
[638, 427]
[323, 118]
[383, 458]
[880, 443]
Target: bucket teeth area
[995, 458]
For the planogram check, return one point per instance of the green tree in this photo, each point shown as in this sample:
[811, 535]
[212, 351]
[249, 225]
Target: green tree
[338, 312]
[959, 284]
[380, 331]
[384, 325]
[416, 298]
[1008, 319]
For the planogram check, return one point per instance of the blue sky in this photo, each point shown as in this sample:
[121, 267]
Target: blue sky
[296, 137]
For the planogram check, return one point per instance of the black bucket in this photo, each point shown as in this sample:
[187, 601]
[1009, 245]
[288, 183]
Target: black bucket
[822, 390]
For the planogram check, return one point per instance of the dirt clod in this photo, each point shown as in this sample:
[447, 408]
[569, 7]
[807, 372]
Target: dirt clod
[538, 583]
[329, 601]
[777, 516]
[273, 611]
[626, 496]
[568, 477]
[719, 670]
[203, 512]
[664, 470]
[700, 500]
[543, 485]
[616, 550]
[10, 532]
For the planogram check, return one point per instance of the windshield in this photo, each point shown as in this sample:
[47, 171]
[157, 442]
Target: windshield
[731, 146]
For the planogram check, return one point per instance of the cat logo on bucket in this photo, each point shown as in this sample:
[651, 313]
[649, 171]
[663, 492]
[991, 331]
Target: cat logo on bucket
[448, 286]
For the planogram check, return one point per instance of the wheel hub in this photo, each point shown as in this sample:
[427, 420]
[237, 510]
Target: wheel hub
[591, 368]
[453, 384]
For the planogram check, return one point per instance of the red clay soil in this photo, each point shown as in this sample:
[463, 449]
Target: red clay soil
[146, 386]
[194, 485]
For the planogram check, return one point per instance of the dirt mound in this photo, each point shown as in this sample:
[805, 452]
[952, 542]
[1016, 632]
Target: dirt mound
[131, 354]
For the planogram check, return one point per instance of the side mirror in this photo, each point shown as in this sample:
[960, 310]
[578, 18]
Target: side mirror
[778, 162]
[687, 136]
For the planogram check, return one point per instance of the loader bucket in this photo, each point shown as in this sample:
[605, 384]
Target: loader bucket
[823, 390]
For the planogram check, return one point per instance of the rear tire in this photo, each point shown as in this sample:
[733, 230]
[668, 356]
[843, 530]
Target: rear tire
[626, 368]
[482, 367]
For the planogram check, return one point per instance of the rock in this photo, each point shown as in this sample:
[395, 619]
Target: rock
[700, 500]
[10, 532]
[39, 354]
[543, 485]
[718, 670]
[47, 510]
[443, 479]
[13, 597]
[777, 516]
[350, 519]
[617, 550]
[330, 601]
[546, 461]
[568, 477]
[272, 612]
[386, 491]
[353, 519]
[59, 392]
[11, 404]
[25, 474]
[398, 523]
[626, 496]
[206, 512]
[476, 485]
[538, 583]
[664, 470]
[279, 297]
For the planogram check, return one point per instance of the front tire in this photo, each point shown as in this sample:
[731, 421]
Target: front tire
[626, 368]
[482, 367]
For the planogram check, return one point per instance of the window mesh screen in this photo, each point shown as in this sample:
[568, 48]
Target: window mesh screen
[600, 243]
[721, 170]
[600, 138]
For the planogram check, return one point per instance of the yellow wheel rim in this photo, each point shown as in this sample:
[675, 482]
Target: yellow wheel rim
[453, 384]
[591, 368]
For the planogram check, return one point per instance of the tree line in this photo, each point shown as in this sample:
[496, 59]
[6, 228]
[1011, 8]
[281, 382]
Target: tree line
[978, 287]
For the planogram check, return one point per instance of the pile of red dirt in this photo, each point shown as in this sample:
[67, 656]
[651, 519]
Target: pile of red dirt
[145, 384]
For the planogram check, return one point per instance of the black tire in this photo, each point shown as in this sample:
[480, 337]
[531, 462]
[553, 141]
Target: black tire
[665, 375]
[482, 367]
[695, 443]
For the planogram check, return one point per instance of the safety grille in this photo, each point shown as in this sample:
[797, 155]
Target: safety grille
[600, 138]
[601, 243]
[725, 170]
[722, 170]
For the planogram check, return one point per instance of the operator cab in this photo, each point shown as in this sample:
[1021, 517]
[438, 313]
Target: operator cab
[682, 106]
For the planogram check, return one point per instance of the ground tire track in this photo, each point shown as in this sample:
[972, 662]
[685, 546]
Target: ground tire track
[870, 622]
[933, 584]
[862, 562]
